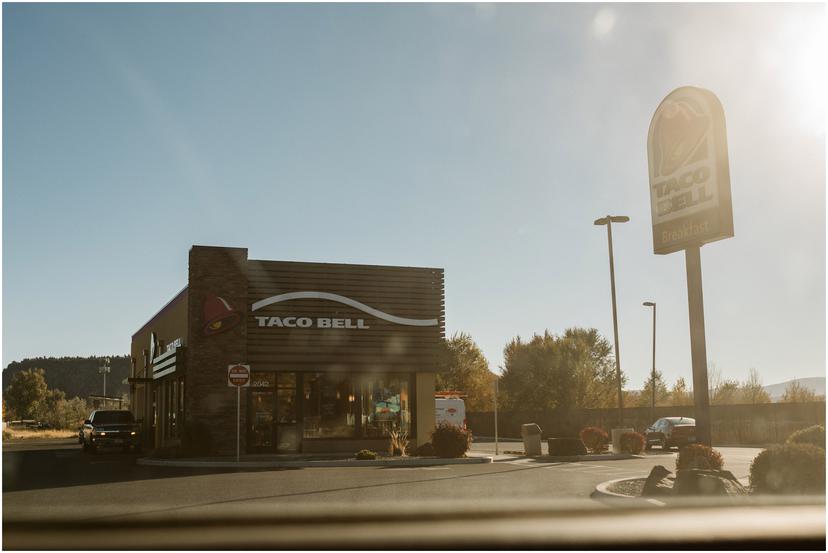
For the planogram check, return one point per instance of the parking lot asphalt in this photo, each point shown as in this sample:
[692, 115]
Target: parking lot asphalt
[56, 479]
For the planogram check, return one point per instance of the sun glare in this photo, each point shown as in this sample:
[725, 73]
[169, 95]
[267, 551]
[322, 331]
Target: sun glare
[799, 59]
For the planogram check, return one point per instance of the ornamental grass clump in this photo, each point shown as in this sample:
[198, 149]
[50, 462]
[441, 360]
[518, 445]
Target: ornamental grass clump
[632, 442]
[594, 439]
[398, 443]
[789, 469]
[699, 456]
[450, 441]
[814, 435]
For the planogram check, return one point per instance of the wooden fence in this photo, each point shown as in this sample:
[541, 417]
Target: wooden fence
[759, 424]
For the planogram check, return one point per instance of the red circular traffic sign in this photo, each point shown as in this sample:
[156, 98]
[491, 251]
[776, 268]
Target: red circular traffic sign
[238, 375]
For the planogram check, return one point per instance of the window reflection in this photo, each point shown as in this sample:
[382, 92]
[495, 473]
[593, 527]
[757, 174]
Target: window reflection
[329, 406]
[385, 405]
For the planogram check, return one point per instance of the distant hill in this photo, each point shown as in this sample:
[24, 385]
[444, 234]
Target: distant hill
[76, 376]
[815, 383]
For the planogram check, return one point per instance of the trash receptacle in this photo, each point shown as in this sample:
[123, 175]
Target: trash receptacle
[616, 434]
[531, 434]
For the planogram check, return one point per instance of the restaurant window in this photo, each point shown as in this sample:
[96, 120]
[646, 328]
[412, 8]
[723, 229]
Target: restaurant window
[329, 406]
[385, 405]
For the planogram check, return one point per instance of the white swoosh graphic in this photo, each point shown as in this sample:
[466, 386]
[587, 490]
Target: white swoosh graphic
[347, 301]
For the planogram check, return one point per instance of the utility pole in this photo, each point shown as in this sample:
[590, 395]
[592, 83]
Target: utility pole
[104, 370]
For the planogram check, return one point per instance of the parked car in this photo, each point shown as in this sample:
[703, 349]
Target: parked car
[110, 429]
[670, 432]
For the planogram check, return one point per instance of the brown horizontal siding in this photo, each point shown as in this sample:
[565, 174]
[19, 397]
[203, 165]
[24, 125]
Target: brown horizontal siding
[430, 304]
[254, 265]
[414, 293]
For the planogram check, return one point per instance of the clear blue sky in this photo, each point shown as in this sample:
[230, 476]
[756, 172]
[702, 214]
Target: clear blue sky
[484, 139]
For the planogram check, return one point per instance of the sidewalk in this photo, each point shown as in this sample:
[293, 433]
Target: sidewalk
[309, 461]
[512, 449]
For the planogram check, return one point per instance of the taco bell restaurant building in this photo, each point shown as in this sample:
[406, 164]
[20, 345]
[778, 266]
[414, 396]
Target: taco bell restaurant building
[340, 355]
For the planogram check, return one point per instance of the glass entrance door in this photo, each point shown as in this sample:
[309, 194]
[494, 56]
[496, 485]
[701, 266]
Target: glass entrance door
[288, 435]
[273, 415]
[261, 420]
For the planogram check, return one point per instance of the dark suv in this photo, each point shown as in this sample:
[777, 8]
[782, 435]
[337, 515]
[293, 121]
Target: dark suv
[110, 429]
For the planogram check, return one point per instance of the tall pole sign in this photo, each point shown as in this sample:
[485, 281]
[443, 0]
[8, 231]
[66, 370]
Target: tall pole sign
[690, 205]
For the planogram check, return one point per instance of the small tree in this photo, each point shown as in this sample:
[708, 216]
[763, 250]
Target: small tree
[680, 395]
[752, 390]
[726, 392]
[662, 395]
[797, 393]
[25, 393]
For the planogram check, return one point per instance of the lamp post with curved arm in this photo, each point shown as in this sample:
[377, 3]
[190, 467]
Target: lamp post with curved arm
[653, 305]
[608, 221]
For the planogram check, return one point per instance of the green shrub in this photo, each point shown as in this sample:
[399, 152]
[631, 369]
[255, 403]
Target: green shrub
[7, 435]
[699, 456]
[814, 435]
[450, 440]
[365, 455]
[196, 440]
[789, 469]
[594, 439]
[632, 442]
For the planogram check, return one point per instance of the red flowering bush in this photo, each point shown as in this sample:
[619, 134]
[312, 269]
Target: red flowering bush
[632, 442]
[699, 456]
[594, 439]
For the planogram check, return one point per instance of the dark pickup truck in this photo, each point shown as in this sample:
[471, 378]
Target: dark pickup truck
[110, 429]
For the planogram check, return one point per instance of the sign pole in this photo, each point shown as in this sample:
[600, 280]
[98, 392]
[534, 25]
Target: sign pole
[698, 347]
[238, 376]
[497, 449]
[238, 421]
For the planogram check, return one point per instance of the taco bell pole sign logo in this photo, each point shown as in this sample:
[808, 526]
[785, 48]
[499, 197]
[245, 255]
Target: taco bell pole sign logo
[689, 172]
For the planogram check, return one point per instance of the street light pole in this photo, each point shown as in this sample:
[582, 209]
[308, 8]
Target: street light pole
[497, 445]
[608, 221]
[103, 370]
[653, 305]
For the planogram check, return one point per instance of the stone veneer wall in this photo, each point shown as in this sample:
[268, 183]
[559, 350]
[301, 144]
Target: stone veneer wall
[208, 399]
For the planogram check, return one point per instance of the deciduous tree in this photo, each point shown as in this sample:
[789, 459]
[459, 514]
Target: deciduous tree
[797, 393]
[726, 392]
[464, 367]
[680, 395]
[752, 390]
[645, 399]
[575, 369]
[25, 393]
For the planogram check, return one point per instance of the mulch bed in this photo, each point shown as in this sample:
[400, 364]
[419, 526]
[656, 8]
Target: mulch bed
[628, 487]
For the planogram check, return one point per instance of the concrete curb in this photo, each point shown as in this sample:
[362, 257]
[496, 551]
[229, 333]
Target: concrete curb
[576, 458]
[598, 457]
[339, 463]
[602, 493]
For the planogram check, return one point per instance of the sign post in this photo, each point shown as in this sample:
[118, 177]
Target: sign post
[690, 205]
[238, 376]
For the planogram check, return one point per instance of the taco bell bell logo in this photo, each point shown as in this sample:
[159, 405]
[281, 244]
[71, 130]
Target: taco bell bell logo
[689, 173]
